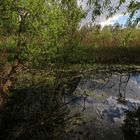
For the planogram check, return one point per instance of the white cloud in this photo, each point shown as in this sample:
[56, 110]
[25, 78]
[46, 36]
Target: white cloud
[111, 20]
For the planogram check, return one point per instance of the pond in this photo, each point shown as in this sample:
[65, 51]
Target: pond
[102, 99]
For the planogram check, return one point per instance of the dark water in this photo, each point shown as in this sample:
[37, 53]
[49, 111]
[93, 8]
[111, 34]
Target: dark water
[102, 102]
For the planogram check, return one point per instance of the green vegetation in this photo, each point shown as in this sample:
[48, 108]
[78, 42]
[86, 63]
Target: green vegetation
[39, 41]
[111, 44]
[131, 125]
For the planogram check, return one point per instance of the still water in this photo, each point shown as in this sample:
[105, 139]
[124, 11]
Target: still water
[103, 98]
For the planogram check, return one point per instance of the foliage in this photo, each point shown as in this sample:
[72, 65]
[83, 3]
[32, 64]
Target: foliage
[33, 34]
[131, 126]
[113, 36]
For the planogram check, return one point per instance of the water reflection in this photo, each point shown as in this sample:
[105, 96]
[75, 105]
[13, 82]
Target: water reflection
[136, 78]
[104, 100]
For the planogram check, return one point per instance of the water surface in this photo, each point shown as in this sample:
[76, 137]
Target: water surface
[103, 100]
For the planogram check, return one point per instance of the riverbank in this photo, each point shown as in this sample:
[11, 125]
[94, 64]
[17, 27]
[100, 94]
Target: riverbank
[103, 55]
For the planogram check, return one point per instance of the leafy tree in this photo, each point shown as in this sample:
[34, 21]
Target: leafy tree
[25, 21]
[36, 33]
[131, 125]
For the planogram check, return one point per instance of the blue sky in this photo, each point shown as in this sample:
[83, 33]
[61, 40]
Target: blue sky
[118, 18]
[123, 19]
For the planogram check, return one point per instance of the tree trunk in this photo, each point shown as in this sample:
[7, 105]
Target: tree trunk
[7, 75]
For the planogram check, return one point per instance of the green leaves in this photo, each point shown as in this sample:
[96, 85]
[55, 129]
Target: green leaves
[37, 27]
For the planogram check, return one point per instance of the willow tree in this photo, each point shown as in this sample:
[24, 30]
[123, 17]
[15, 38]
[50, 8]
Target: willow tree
[31, 33]
[27, 28]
